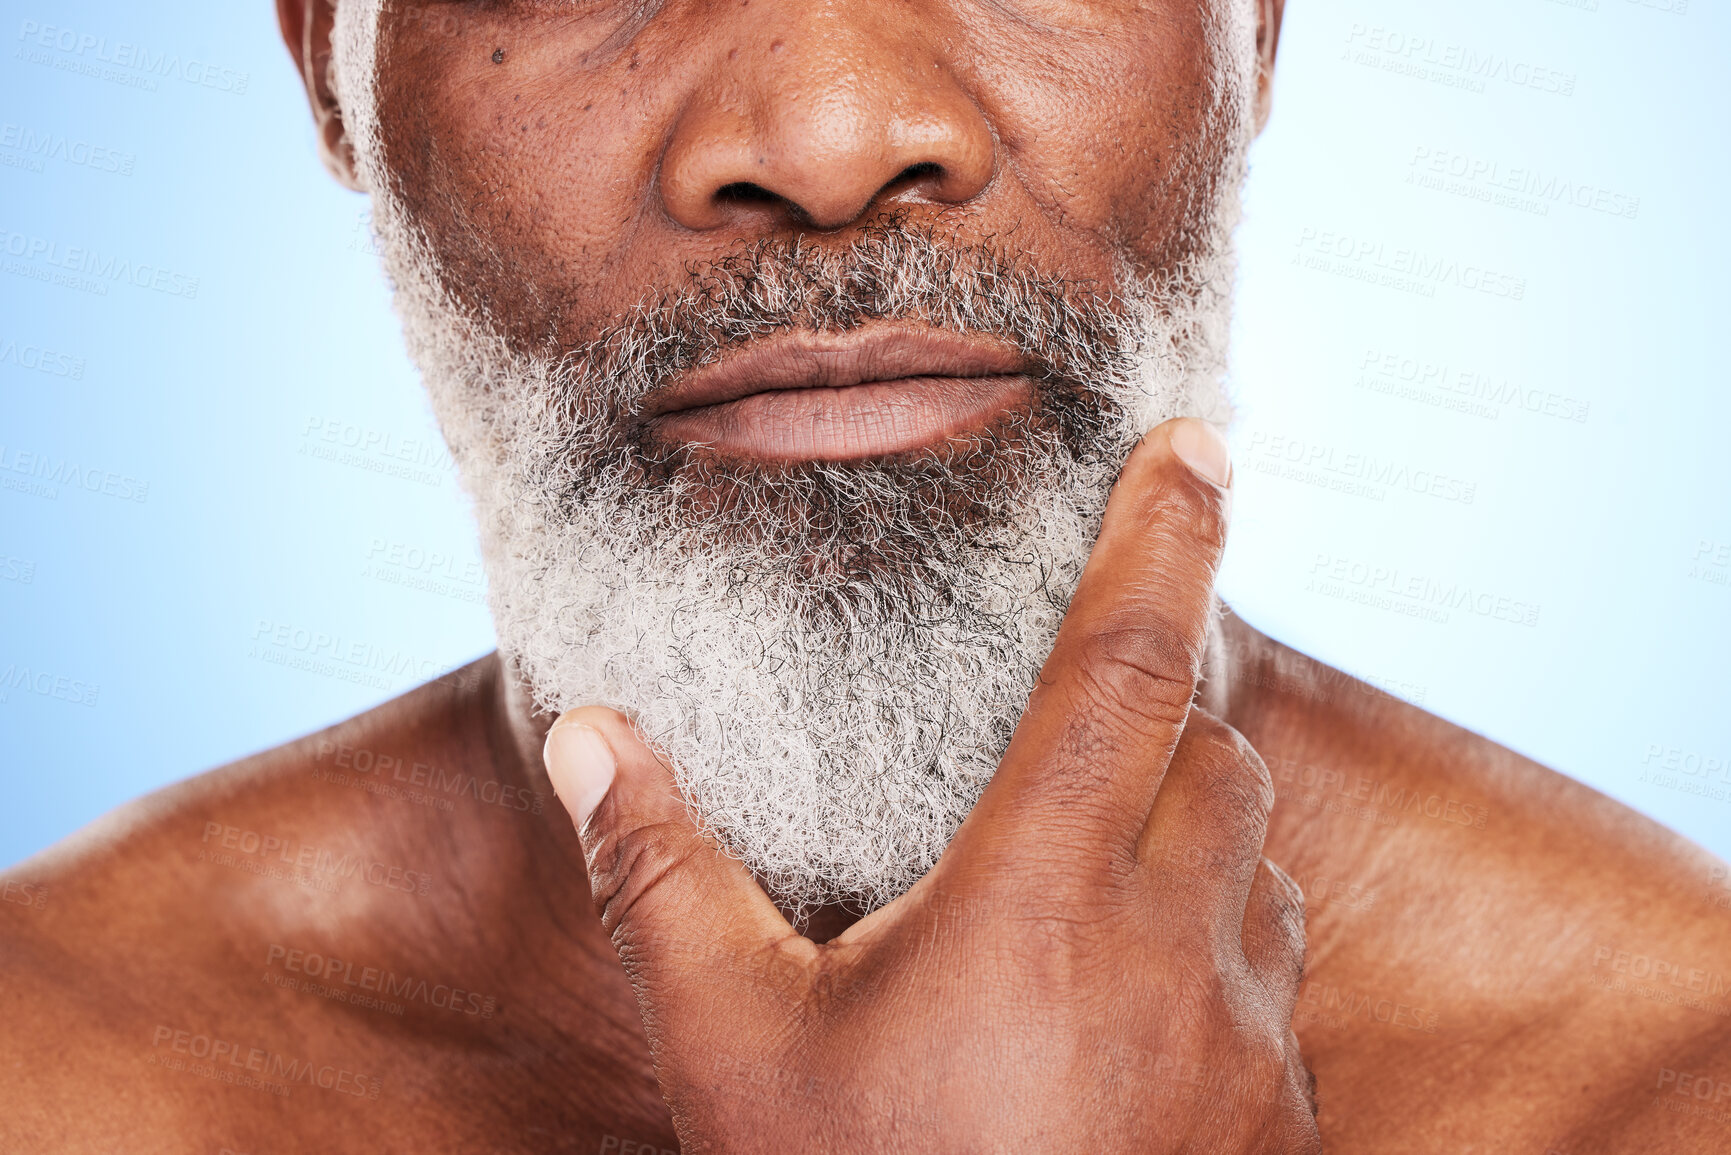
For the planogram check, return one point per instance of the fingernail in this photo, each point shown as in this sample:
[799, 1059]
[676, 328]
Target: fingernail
[580, 765]
[1200, 446]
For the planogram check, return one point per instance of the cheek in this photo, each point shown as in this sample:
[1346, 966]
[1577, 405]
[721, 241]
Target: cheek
[529, 176]
[1106, 130]
[1185, 132]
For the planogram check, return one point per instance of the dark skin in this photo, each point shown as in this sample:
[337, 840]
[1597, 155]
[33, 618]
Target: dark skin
[1492, 931]
[1471, 1004]
[1101, 930]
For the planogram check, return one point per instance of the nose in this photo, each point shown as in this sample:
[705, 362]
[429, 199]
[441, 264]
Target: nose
[820, 112]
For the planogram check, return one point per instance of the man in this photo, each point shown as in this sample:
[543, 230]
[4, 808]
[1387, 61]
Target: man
[833, 380]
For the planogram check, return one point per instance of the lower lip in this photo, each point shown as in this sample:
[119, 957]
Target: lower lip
[877, 419]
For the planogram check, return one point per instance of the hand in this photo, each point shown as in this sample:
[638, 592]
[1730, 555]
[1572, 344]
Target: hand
[1101, 961]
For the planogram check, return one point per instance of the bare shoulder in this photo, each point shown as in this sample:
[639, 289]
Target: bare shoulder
[204, 844]
[144, 1000]
[1478, 921]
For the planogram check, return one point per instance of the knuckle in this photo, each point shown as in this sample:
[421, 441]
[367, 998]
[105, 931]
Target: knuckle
[1266, 1065]
[1263, 1047]
[1303, 1080]
[1143, 672]
[632, 865]
[1289, 895]
[1201, 1001]
[1082, 829]
[1233, 771]
[1283, 1094]
[1201, 511]
[1058, 950]
[1280, 912]
[1291, 928]
[1188, 514]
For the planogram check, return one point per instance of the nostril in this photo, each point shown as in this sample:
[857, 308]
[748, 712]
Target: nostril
[744, 193]
[927, 174]
[925, 170]
[820, 212]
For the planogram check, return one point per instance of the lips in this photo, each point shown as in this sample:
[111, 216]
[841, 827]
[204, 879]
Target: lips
[877, 391]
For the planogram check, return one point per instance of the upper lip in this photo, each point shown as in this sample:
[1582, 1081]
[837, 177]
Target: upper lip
[806, 359]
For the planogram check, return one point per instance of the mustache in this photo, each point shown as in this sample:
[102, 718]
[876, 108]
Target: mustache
[857, 539]
[1069, 331]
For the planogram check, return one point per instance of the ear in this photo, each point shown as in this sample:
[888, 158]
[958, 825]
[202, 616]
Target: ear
[1268, 14]
[306, 29]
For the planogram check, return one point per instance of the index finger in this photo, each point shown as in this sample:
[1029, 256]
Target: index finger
[1090, 751]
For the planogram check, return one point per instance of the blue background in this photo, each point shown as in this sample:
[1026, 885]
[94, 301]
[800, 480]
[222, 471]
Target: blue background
[1469, 224]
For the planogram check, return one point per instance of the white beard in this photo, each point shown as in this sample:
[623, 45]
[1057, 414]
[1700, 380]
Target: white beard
[834, 667]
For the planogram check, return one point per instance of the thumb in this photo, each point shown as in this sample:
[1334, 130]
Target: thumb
[679, 910]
